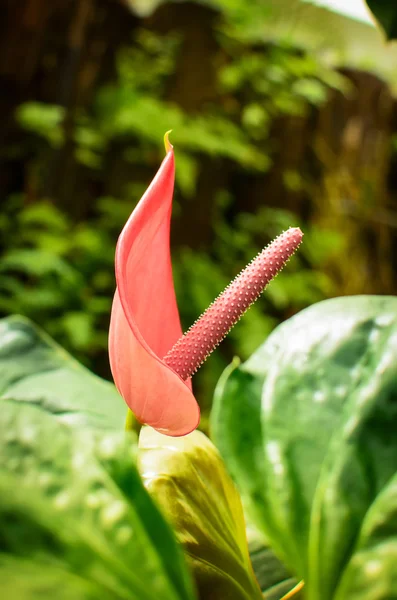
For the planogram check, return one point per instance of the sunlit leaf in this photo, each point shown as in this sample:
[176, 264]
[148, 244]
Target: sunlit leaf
[187, 478]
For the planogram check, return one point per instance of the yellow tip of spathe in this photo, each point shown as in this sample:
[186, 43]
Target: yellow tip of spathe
[167, 143]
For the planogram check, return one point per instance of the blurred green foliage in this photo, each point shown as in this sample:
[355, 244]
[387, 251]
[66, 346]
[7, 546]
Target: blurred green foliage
[58, 269]
[58, 273]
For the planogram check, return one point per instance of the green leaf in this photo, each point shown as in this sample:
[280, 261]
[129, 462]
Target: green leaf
[75, 519]
[35, 370]
[307, 429]
[273, 578]
[372, 573]
[39, 263]
[385, 12]
[44, 120]
[45, 216]
[189, 481]
[362, 454]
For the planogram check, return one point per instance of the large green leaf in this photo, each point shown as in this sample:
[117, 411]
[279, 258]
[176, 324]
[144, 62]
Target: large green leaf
[362, 455]
[385, 11]
[75, 519]
[307, 429]
[188, 479]
[33, 369]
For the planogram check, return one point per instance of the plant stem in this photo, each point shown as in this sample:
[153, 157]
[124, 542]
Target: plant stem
[131, 423]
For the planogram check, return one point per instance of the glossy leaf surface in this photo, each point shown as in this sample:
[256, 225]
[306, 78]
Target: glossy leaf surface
[307, 428]
[35, 370]
[372, 573]
[188, 479]
[75, 519]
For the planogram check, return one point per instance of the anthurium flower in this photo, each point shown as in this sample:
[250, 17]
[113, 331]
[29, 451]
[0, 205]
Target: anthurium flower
[151, 361]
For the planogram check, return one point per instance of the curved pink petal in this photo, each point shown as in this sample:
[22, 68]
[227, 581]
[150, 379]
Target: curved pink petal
[145, 320]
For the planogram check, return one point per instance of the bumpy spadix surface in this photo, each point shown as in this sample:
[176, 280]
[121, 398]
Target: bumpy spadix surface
[208, 331]
[150, 359]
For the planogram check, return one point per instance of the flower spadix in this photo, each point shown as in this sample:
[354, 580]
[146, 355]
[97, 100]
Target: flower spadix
[151, 361]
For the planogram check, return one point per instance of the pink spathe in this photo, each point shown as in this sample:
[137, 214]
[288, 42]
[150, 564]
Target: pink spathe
[145, 320]
[151, 360]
